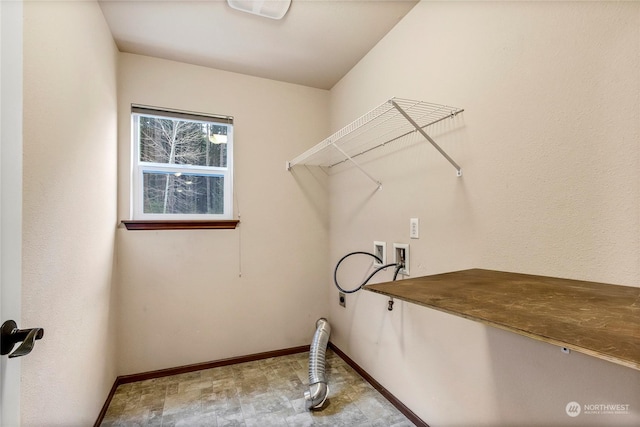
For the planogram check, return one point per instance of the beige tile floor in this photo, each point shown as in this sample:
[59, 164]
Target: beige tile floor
[263, 393]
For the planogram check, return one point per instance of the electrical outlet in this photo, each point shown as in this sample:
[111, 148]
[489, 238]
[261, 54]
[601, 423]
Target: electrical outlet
[342, 299]
[380, 250]
[401, 256]
[414, 228]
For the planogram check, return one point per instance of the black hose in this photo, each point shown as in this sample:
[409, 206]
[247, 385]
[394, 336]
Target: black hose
[335, 271]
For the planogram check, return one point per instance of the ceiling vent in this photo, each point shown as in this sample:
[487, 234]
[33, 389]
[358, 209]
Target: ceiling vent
[274, 9]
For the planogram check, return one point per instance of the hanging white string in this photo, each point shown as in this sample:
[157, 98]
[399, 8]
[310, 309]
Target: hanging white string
[237, 203]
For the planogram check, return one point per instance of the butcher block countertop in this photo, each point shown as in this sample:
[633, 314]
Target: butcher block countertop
[597, 319]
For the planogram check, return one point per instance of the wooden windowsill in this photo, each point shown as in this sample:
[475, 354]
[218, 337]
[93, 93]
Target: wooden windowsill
[227, 224]
[597, 319]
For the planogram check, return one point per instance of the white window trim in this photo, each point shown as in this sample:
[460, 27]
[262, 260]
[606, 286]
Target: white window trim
[138, 167]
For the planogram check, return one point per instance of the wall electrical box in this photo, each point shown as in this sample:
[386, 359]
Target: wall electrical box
[401, 256]
[380, 250]
[342, 299]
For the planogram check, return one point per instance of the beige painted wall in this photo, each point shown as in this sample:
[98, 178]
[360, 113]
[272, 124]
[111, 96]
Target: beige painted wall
[69, 211]
[197, 296]
[549, 147]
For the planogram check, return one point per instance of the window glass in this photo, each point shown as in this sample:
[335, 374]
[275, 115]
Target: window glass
[176, 193]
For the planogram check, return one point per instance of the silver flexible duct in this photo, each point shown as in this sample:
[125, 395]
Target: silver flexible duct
[318, 388]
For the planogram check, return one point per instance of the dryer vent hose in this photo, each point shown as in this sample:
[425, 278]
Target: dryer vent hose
[318, 388]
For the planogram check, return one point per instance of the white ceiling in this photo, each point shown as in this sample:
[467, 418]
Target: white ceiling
[315, 44]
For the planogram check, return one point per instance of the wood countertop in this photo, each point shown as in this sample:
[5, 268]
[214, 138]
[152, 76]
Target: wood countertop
[597, 319]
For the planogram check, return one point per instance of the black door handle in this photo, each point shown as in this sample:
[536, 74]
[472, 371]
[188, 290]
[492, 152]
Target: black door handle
[10, 335]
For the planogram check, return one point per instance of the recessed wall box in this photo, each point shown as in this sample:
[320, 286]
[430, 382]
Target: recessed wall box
[401, 256]
[380, 250]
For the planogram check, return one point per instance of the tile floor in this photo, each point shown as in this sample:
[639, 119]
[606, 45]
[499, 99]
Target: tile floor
[263, 393]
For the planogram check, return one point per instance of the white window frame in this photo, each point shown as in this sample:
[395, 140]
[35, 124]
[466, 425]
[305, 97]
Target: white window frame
[139, 167]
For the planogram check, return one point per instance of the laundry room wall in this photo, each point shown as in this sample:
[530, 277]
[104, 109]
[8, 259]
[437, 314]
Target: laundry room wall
[548, 144]
[190, 296]
[69, 211]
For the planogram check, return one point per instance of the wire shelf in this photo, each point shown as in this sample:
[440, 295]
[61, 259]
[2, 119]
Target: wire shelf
[391, 121]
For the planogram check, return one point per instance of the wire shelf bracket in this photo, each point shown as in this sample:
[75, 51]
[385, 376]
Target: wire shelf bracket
[389, 122]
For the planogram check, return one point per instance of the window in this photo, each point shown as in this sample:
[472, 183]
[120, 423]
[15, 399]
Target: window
[182, 165]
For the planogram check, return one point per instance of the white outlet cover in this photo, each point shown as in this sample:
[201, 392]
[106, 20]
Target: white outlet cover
[414, 228]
